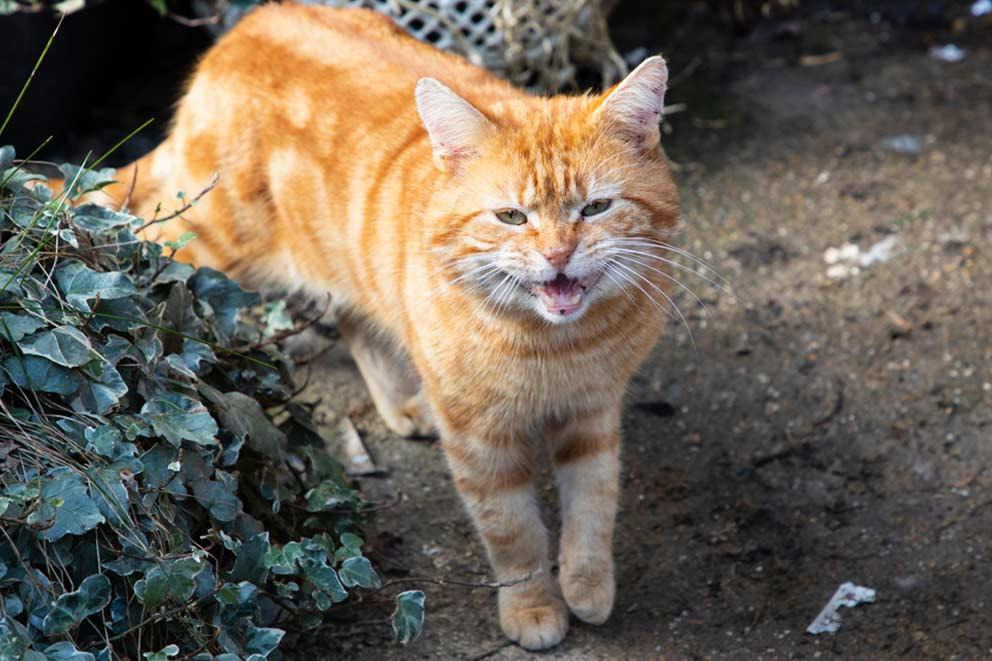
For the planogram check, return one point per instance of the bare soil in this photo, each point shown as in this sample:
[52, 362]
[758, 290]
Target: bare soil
[822, 430]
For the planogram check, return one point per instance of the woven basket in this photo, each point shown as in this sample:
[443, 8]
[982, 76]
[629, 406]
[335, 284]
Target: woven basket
[537, 44]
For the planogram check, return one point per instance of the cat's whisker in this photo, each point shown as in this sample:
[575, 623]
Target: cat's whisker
[649, 255]
[681, 316]
[648, 243]
[667, 277]
[611, 267]
[479, 270]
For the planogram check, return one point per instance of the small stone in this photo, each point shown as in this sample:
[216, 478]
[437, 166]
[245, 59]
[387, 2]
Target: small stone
[898, 325]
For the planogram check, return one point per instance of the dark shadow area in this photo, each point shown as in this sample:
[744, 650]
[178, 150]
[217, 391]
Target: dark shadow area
[113, 66]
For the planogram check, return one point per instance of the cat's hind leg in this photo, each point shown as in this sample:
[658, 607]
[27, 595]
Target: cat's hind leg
[390, 378]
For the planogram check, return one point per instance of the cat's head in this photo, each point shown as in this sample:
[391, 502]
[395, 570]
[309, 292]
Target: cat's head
[550, 205]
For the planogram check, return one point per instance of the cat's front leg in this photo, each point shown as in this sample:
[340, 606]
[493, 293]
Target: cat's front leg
[585, 452]
[493, 475]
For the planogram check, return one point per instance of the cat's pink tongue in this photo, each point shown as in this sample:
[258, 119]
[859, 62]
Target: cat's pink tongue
[561, 295]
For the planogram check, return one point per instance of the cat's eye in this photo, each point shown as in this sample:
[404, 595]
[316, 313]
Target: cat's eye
[511, 216]
[595, 207]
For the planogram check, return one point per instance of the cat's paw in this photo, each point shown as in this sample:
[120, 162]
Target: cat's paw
[417, 421]
[589, 591]
[534, 624]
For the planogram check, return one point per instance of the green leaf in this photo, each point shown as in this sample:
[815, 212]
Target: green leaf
[163, 654]
[95, 218]
[325, 579]
[73, 607]
[181, 242]
[168, 580]
[6, 157]
[103, 440]
[244, 417]
[195, 354]
[36, 373]
[250, 563]
[100, 394]
[178, 418]
[351, 547]
[408, 618]
[75, 511]
[81, 284]
[14, 327]
[86, 180]
[64, 346]
[329, 495]
[263, 641]
[14, 640]
[219, 497]
[65, 652]
[358, 571]
[224, 296]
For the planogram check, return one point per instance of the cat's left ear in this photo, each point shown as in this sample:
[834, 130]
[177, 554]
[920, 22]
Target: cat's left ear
[455, 126]
[633, 108]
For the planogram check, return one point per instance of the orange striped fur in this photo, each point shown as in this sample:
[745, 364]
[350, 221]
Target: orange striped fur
[354, 160]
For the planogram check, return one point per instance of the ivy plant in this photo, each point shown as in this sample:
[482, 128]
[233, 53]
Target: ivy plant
[161, 494]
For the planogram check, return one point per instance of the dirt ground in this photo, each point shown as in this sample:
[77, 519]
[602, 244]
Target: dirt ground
[824, 429]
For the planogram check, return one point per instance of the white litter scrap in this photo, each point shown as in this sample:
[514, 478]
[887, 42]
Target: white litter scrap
[948, 53]
[981, 7]
[848, 595]
[903, 144]
[849, 259]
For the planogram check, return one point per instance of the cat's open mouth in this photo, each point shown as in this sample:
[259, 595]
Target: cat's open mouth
[563, 295]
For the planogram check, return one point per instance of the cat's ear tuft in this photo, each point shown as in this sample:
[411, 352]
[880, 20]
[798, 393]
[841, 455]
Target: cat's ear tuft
[455, 126]
[634, 106]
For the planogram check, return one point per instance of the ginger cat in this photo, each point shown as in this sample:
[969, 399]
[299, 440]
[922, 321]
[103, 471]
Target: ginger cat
[497, 259]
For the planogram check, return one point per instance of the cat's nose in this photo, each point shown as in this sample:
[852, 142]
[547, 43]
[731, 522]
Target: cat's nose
[559, 256]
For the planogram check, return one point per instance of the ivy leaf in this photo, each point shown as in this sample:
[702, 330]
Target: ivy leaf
[329, 495]
[219, 497]
[250, 563]
[263, 641]
[86, 180]
[351, 547]
[64, 346]
[14, 327]
[95, 218]
[195, 354]
[14, 639]
[170, 579]
[244, 417]
[36, 373]
[178, 418]
[325, 579]
[73, 607]
[181, 242]
[163, 654]
[358, 571]
[99, 395]
[80, 284]
[6, 157]
[65, 652]
[408, 618]
[75, 511]
[224, 296]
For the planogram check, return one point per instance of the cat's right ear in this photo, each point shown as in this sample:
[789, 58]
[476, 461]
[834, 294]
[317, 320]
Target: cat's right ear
[455, 126]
